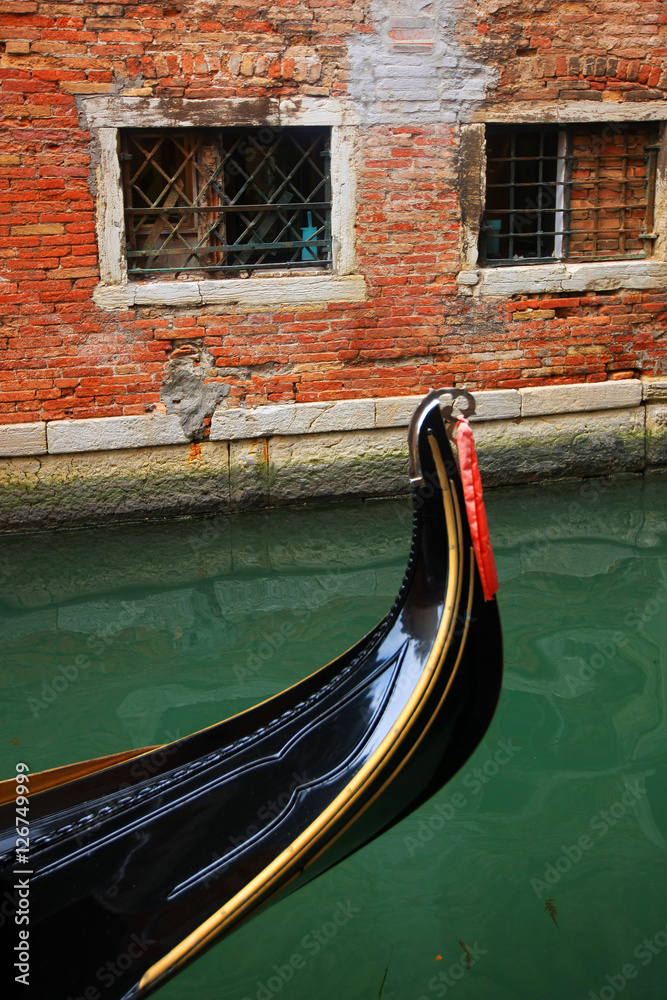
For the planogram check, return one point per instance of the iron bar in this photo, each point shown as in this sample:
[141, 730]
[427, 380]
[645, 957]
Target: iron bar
[556, 188]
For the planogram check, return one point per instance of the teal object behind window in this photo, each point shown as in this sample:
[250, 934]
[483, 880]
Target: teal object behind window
[307, 233]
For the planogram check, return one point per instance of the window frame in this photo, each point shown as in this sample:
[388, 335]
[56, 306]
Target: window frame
[116, 291]
[475, 278]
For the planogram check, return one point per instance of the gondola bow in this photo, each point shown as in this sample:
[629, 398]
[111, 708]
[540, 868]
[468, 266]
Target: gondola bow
[158, 853]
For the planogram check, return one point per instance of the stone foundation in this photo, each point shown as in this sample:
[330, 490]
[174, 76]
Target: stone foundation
[355, 448]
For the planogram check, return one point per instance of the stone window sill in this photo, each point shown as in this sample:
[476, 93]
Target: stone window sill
[245, 293]
[538, 279]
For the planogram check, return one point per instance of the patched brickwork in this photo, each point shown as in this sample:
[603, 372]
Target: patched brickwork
[62, 356]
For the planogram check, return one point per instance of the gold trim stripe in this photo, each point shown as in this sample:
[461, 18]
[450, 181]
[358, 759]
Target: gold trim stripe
[42, 781]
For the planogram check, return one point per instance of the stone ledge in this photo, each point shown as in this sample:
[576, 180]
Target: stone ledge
[113, 433]
[345, 415]
[395, 411]
[292, 419]
[562, 446]
[22, 439]
[582, 397]
[243, 293]
[497, 404]
[493, 404]
[295, 419]
[566, 111]
[101, 486]
[335, 465]
[656, 434]
[537, 279]
[655, 389]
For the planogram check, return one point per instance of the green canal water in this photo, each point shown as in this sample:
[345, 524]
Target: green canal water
[539, 872]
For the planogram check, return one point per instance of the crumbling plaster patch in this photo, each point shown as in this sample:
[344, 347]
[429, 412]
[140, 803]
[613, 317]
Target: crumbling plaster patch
[411, 66]
[192, 389]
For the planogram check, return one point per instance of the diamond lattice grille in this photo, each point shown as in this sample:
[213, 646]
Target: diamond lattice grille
[219, 201]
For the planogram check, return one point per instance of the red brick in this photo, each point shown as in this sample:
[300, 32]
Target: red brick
[407, 237]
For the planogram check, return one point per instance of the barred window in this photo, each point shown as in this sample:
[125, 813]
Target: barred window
[217, 202]
[576, 192]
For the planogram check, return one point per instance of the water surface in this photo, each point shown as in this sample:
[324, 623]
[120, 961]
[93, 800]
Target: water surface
[539, 871]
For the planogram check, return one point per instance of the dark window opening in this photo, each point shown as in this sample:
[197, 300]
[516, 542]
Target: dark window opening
[215, 202]
[575, 192]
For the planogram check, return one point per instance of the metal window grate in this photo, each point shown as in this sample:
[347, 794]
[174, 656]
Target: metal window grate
[569, 193]
[214, 202]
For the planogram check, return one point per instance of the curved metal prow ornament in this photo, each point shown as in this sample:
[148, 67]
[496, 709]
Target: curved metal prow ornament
[431, 400]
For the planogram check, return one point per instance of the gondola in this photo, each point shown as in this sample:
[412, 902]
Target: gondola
[141, 860]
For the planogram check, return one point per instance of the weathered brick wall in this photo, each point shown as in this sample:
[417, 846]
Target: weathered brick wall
[575, 49]
[64, 357]
[611, 169]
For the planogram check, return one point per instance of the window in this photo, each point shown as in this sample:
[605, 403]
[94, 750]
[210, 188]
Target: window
[212, 203]
[275, 182]
[569, 193]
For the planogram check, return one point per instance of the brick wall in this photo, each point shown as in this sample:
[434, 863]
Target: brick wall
[610, 170]
[575, 50]
[64, 357]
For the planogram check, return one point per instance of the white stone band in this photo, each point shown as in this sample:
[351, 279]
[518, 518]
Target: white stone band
[294, 419]
[541, 279]
[253, 294]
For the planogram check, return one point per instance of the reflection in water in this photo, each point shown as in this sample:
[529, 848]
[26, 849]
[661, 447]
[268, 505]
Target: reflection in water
[544, 859]
[125, 636]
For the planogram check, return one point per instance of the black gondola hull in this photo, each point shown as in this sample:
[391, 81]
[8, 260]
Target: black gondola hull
[143, 865]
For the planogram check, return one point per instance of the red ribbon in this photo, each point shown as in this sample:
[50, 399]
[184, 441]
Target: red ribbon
[472, 494]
